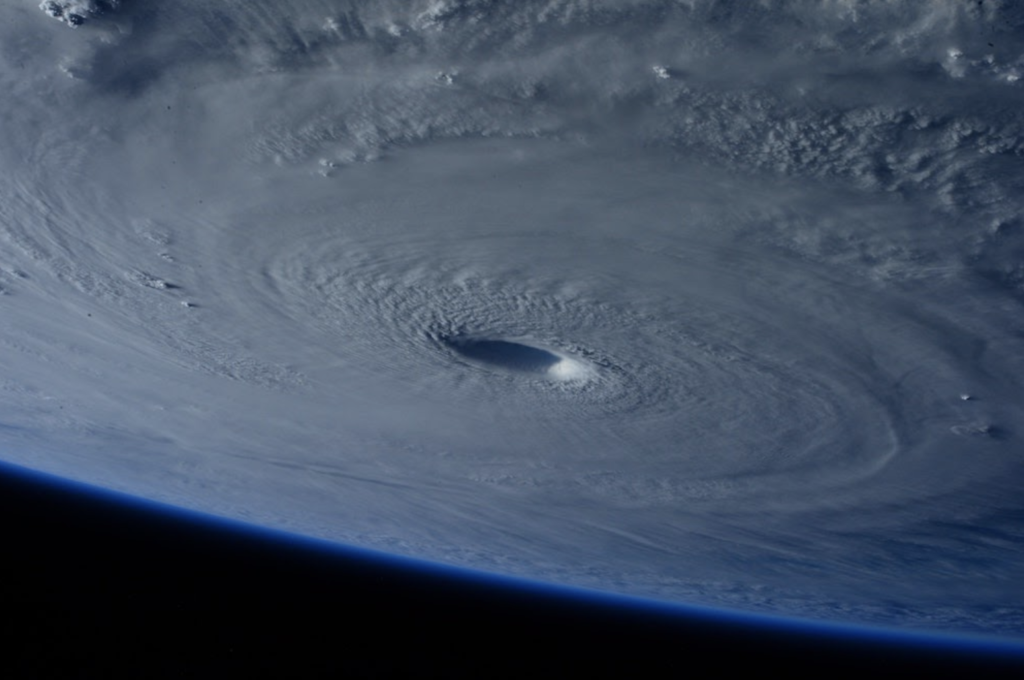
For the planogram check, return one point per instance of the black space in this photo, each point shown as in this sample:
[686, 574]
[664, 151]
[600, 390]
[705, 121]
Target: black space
[98, 585]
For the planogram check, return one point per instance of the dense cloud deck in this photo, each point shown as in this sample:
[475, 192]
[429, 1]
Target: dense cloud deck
[668, 299]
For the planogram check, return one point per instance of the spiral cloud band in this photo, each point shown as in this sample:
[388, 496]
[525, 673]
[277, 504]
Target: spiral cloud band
[700, 301]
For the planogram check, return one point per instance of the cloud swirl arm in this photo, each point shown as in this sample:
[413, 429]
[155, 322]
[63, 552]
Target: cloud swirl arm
[699, 301]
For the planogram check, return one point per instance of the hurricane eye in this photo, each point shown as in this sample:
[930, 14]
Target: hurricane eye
[505, 354]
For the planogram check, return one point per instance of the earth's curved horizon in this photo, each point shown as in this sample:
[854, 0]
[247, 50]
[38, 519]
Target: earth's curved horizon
[713, 303]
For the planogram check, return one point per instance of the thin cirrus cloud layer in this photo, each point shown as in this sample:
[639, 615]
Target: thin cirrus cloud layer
[712, 302]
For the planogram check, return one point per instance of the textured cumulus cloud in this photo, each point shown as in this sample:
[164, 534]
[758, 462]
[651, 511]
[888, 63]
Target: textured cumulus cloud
[871, 96]
[77, 12]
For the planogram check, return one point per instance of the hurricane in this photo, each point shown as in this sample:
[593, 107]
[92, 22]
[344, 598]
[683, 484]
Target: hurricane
[706, 302]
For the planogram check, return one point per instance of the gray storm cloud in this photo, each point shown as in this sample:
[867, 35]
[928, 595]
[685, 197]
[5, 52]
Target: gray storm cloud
[673, 299]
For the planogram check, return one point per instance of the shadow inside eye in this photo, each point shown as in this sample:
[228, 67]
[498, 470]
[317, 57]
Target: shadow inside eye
[512, 356]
